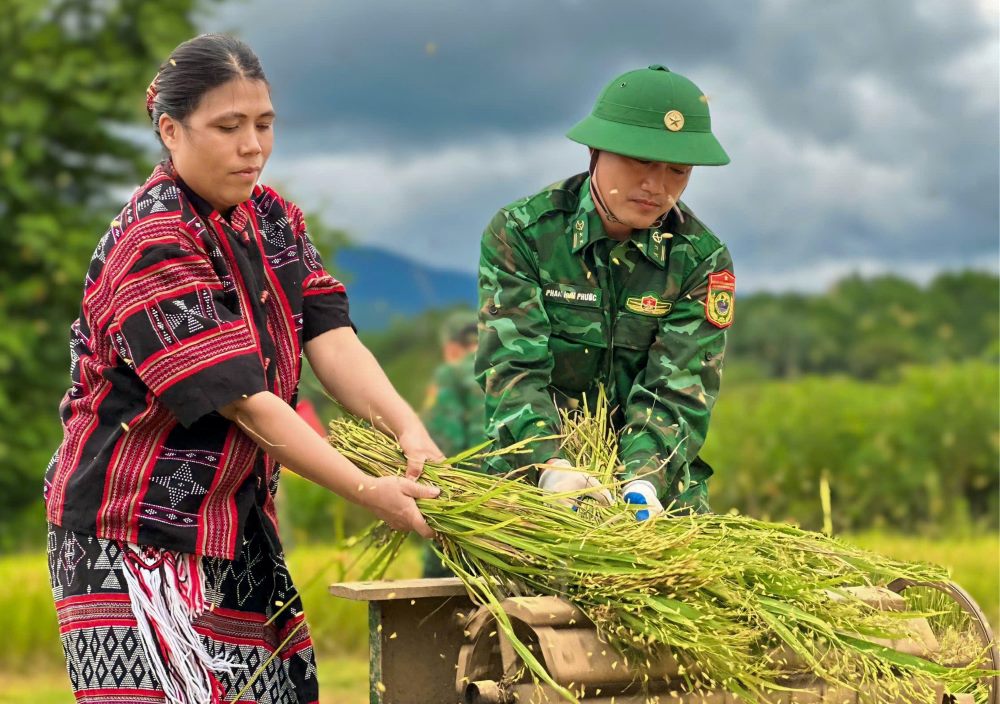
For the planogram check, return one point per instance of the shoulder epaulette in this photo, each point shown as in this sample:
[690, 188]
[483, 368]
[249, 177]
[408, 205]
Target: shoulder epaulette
[702, 239]
[559, 197]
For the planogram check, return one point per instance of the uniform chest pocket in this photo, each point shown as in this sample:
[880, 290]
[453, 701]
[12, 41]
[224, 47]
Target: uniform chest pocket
[577, 343]
[635, 332]
[583, 325]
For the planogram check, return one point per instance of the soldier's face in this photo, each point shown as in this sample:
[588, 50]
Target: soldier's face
[639, 192]
[221, 147]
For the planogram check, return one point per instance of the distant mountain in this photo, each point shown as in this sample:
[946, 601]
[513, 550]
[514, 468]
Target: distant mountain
[383, 286]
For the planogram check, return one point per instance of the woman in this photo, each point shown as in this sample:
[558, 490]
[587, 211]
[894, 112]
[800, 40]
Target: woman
[167, 571]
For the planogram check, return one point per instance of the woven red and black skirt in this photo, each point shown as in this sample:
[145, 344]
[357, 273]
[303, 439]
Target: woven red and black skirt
[108, 598]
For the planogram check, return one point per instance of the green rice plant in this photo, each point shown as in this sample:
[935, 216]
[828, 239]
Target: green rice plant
[972, 559]
[27, 616]
[722, 594]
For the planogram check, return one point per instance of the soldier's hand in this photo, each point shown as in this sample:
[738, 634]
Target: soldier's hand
[418, 447]
[559, 477]
[642, 494]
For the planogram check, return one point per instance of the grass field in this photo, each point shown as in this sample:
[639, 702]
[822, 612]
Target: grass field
[343, 681]
[31, 660]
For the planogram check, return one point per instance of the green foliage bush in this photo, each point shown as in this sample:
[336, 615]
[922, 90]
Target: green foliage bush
[869, 327]
[917, 453]
[73, 78]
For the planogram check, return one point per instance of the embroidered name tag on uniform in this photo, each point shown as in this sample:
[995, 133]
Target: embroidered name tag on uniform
[574, 295]
[649, 304]
[720, 308]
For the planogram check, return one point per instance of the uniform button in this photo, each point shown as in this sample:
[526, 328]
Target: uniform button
[263, 297]
[267, 362]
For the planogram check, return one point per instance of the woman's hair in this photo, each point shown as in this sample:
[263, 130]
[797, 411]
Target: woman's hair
[194, 68]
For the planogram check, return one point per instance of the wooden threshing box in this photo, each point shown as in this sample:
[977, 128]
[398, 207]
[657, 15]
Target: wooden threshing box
[429, 644]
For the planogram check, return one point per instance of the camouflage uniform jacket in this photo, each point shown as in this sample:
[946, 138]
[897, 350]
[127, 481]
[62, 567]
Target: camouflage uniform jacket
[564, 309]
[454, 414]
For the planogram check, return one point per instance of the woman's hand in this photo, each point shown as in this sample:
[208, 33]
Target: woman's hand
[393, 500]
[418, 447]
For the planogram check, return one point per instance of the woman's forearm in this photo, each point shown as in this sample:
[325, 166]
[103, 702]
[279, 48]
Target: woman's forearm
[282, 434]
[349, 371]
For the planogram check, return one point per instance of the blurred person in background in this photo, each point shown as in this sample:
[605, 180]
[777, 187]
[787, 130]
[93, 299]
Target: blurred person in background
[608, 280]
[453, 410]
[167, 571]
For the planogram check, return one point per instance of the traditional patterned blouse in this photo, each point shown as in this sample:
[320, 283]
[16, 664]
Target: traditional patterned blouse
[184, 311]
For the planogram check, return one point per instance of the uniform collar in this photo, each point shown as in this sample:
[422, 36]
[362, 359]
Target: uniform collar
[586, 226]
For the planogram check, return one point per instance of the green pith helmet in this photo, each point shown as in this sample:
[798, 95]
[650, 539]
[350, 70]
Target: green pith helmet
[459, 327]
[655, 115]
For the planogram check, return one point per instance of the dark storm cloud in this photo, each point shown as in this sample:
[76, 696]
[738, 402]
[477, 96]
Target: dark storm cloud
[512, 66]
[862, 134]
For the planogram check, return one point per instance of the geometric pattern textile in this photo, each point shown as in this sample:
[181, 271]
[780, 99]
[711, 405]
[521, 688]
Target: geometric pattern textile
[105, 656]
[184, 309]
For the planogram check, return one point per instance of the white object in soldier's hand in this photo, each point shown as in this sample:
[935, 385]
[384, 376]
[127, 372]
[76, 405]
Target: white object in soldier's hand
[559, 478]
[642, 493]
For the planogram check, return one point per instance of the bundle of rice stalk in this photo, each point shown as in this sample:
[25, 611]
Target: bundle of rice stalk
[721, 593]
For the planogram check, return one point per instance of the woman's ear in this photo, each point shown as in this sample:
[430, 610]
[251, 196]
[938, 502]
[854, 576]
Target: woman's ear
[169, 131]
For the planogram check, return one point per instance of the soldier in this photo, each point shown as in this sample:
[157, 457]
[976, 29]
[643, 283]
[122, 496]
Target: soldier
[453, 412]
[607, 278]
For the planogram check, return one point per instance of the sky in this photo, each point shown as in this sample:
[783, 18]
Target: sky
[863, 135]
